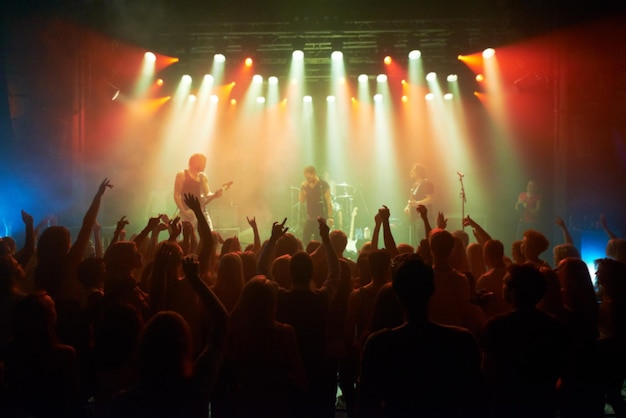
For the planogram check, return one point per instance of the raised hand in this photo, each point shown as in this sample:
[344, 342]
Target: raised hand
[27, 218]
[121, 223]
[421, 209]
[324, 228]
[467, 221]
[560, 222]
[278, 230]
[192, 202]
[96, 227]
[153, 223]
[103, 186]
[252, 222]
[384, 213]
[442, 222]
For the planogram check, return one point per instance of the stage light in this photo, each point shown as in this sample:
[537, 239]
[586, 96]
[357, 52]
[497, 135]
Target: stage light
[378, 97]
[208, 78]
[415, 54]
[489, 52]
[307, 99]
[432, 76]
[429, 96]
[387, 60]
[186, 79]
[480, 78]
[272, 80]
[452, 78]
[159, 82]
[405, 99]
[363, 78]
[233, 102]
[219, 58]
[149, 56]
[248, 62]
[260, 100]
[448, 96]
[381, 78]
[214, 98]
[330, 99]
[336, 55]
[257, 79]
[297, 54]
[192, 98]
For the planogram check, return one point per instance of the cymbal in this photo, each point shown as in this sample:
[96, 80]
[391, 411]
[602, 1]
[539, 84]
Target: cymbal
[344, 185]
[345, 196]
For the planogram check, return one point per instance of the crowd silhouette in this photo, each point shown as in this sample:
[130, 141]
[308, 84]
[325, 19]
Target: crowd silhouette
[191, 325]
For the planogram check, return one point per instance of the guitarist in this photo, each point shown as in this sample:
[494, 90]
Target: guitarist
[422, 192]
[194, 181]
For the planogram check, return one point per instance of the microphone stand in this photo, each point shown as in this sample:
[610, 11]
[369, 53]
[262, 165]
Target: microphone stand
[463, 201]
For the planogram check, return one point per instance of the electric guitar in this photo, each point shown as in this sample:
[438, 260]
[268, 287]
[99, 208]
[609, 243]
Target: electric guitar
[351, 246]
[205, 200]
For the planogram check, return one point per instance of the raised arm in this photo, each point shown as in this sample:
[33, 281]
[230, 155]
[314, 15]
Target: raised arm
[423, 212]
[255, 231]
[390, 242]
[567, 238]
[119, 228]
[27, 251]
[265, 259]
[442, 221]
[207, 366]
[605, 226]
[376, 232]
[332, 281]
[204, 230]
[481, 235]
[78, 248]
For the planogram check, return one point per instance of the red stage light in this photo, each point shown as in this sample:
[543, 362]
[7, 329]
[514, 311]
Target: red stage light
[387, 60]
[249, 62]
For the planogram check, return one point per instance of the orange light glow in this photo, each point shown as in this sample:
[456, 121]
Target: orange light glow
[159, 82]
[249, 61]
[387, 60]
[480, 78]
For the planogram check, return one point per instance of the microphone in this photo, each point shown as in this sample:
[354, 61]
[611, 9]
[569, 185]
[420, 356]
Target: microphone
[460, 174]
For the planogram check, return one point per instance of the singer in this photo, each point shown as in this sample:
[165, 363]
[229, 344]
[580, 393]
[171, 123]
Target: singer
[316, 193]
[422, 191]
[194, 181]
